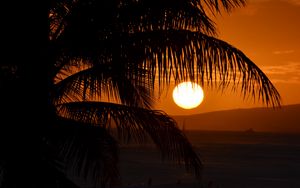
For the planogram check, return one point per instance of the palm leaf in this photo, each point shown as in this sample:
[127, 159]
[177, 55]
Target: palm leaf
[105, 16]
[130, 15]
[216, 5]
[148, 15]
[97, 81]
[137, 123]
[201, 58]
[89, 152]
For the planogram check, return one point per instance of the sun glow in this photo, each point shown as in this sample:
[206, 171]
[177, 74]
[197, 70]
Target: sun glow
[188, 95]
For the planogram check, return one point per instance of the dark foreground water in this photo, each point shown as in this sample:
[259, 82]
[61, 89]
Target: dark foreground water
[231, 160]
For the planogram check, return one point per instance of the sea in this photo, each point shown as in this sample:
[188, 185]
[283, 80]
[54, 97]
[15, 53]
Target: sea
[231, 159]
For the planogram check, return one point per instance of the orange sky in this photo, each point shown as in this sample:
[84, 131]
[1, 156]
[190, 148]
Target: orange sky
[268, 32]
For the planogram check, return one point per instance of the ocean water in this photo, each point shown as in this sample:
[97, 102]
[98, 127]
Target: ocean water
[230, 159]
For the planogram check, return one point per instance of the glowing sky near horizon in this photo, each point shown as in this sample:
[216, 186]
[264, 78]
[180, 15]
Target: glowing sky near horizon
[268, 32]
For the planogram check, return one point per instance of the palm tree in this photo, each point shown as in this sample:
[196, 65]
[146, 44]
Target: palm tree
[116, 49]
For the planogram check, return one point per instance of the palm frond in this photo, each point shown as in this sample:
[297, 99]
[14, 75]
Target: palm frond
[215, 6]
[88, 14]
[186, 55]
[58, 12]
[103, 17]
[149, 15]
[136, 123]
[89, 152]
[98, 81]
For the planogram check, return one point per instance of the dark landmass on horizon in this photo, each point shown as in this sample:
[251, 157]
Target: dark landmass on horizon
[263, 119]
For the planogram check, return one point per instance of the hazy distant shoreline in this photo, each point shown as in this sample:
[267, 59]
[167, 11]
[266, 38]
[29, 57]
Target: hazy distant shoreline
[283, 120]
[240, 132]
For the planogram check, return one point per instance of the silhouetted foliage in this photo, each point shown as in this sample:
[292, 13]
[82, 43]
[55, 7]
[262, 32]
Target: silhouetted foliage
[102, 60]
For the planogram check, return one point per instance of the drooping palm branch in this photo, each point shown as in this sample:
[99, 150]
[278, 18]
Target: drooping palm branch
[90, 153]
[133, 119]
[137, 123]
[100, 81]
[187, 55]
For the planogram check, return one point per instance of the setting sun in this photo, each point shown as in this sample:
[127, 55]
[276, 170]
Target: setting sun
[188, 95]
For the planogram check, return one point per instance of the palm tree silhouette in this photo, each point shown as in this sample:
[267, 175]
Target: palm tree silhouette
[117, 50]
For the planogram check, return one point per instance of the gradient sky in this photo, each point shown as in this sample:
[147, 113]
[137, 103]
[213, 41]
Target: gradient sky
[268, 32]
